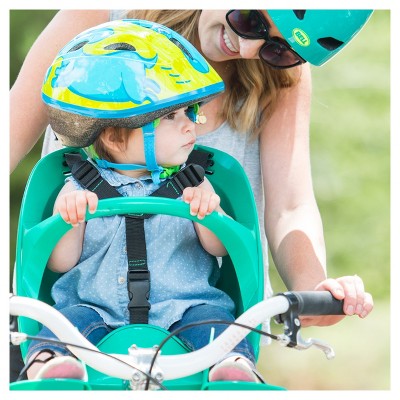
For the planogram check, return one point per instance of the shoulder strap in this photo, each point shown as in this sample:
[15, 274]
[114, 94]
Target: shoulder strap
[189, 176]
[89, 176]
[138, 275]
[202, 158]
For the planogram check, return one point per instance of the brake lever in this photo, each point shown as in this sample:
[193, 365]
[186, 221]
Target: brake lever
[305, 344]
[291, 336]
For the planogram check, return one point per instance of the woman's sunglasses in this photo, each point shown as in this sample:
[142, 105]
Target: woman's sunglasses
[250, 24]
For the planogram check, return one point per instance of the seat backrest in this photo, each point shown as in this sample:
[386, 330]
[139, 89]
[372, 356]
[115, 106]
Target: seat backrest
[242, 270]
[237, 200]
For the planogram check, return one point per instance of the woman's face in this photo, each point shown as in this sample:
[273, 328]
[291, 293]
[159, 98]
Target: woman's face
[219, 43]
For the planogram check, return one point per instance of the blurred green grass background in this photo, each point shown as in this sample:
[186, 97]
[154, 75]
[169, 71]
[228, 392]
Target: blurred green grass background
[350, 147]
[350, 155]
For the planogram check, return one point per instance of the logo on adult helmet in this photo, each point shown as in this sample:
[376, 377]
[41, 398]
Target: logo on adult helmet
[123, 73]
[317, 35]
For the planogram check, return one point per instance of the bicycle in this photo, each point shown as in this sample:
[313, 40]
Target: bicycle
[147, 368]
[241, 277]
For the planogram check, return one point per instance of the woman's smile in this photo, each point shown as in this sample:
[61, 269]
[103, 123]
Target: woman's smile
[227, 44]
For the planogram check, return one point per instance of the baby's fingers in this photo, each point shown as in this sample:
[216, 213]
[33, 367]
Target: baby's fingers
[72, 206]
[209, 202]
[61, 207]
[76, 208]
[195, 202]
[202, 202]
[192, 196]
[213, 202]
[188, 194]
[92, 201]
[84, 199]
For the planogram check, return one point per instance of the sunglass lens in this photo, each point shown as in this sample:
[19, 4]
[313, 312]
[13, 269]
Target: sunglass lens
[278, 55]
[247, 23]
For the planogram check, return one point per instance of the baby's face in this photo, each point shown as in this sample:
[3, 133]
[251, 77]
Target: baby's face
[175, 138]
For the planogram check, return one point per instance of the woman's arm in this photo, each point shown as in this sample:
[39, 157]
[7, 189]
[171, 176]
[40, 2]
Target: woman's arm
[292, 219]
[28, 117]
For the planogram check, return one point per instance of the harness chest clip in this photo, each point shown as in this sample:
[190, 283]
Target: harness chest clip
[139, 292]
[139, 289]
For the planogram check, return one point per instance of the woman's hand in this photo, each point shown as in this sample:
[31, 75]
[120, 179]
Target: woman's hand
[348, 288]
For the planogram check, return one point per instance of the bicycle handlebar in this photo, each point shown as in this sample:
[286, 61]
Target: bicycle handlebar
[321, 304]
[177, 366]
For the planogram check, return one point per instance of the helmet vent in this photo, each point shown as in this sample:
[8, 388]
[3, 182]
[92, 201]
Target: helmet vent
[120, 46]
[77, 46]
[182, 47]
[299, 14]
[330, 43]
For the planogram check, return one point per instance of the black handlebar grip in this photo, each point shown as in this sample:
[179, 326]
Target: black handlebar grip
[318, 303]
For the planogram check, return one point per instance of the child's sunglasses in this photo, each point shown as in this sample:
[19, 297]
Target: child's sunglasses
[276, 52]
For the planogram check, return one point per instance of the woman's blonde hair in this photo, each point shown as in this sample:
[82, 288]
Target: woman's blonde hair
[251, 95]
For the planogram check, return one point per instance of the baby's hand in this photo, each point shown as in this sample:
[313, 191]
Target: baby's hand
[202, 201]
[72, 205]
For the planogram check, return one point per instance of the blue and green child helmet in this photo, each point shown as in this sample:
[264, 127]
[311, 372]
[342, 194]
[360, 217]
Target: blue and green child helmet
[318, 35]
[125, 73]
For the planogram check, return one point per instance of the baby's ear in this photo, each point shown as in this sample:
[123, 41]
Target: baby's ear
[111, 138]
[108, 134]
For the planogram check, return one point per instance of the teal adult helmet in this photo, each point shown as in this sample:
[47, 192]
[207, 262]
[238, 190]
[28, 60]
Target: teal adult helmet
[317, 35]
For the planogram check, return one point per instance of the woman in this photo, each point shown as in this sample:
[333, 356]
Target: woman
[262, 120]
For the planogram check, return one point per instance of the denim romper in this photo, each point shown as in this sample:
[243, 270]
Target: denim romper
[183, 274]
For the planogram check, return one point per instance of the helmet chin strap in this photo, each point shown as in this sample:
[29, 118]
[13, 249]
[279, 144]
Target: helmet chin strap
[126, 167]
[148, 132]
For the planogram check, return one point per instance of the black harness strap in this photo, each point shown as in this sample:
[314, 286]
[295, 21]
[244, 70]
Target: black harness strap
[189, 176]
[89, 176]
[202, 158]
[138, 275]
